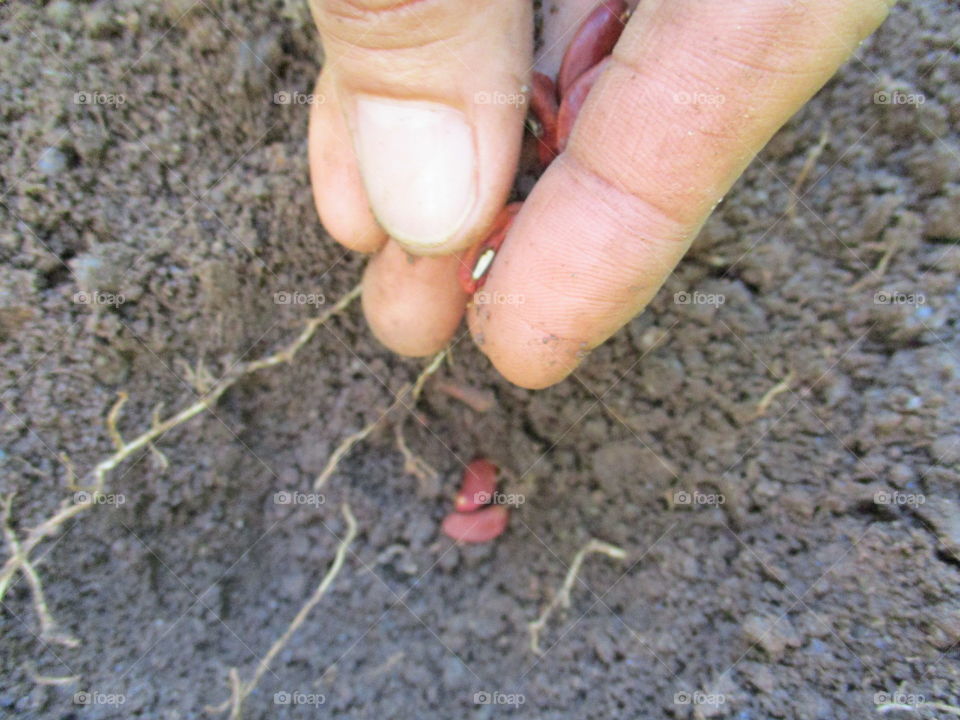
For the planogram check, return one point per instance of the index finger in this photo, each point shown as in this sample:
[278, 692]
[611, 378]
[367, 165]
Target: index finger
[694, 91]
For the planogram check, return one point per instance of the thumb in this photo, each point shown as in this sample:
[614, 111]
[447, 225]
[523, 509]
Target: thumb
[432, 96]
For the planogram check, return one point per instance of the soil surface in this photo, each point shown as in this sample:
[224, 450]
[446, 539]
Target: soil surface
[788, 556]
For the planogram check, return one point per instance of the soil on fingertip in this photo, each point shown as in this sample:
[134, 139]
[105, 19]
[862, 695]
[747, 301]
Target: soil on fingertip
[798, 561]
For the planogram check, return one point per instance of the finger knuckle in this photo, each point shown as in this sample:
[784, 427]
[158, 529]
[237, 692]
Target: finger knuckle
[383, 24]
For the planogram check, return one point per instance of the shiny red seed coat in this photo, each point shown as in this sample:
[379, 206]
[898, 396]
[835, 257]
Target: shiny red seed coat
[479, 485]
[501, 226]
[476, 527]
[592, 42]
[582, 64]
[543, 104]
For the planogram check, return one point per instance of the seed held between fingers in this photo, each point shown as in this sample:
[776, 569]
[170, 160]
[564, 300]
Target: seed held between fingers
[551, 123]
[573, 101]
[593, 41]
[476, 263]
[543, 106]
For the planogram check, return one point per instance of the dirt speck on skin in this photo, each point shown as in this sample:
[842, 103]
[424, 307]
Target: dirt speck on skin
[799, 563]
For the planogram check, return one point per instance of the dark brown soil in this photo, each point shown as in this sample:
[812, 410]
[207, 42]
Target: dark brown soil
[802, 595]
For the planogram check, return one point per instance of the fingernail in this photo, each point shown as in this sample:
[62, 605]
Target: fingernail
[418, 162]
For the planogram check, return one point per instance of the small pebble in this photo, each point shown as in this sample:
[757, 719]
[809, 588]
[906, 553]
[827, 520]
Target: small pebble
[62, 13]
[52, 162]
[100, 23]
[946, 450]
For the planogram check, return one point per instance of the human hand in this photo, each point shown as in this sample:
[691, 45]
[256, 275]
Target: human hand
[414, 151]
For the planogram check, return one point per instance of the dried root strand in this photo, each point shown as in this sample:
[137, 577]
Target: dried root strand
[48, 627]
[21, 548]
[561, 597]
[112, 417]
[346, 445]
[69, 472]
[413, 464]
[919, 707]
[49, 680]
[240, 690]
[309, 330]
[808, 165]
[429, 370]
[769, 396]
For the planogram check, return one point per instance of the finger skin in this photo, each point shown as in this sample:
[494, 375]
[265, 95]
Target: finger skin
[573, 101]
[412, 304]
[468, 56]
[337, 189]
[645, 166]
[451, 52]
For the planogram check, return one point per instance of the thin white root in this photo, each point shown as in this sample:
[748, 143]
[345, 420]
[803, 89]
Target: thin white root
[413, 464]
[808, 164]
[942, 707]
[239, 690]
[346, 445]
[20, 549]
[769, 396]
[51, 680]
[48, 627]
[112, 417]
[562, 597]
